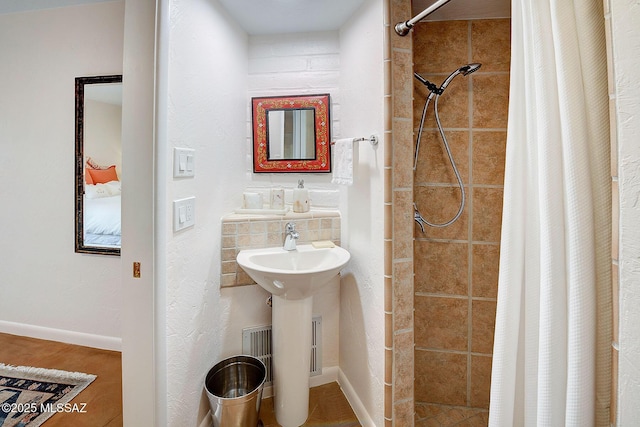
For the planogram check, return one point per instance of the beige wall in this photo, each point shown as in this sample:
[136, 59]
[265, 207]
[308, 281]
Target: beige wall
[456, 267]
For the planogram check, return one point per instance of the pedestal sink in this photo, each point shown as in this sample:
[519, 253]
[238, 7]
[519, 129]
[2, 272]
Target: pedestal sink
[292, 277]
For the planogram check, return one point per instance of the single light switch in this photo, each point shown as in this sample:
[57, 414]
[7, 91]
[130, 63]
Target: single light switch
[183, 162]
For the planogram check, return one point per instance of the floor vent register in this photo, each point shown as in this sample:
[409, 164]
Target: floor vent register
[256, 342]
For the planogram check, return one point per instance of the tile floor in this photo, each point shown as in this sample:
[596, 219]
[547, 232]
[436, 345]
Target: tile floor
[327, 407]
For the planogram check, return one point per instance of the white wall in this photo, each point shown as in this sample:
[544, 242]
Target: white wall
[300, 64]
[625, 21]
[47, 289]
[362, 291]
[204, 87]
[103, 133]
[295, 64]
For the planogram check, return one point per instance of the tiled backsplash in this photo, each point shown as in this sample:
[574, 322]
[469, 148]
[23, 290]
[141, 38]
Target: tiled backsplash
[241, 231]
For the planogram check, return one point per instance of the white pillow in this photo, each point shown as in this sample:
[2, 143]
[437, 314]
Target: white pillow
[96, 191]
[115, 187]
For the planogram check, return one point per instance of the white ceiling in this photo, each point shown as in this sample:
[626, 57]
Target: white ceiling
[288, 16]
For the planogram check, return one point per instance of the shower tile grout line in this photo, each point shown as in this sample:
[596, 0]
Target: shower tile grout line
[401, 50]
[470, 217]
[443, 184]
[454, 296]
[442, 240]
[448, 129]
[484, 73]
[449, 351]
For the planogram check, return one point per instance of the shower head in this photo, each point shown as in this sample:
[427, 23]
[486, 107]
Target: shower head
[469, 68]
[465, 70]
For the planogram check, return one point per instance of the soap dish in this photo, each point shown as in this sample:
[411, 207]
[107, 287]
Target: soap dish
[321, 244]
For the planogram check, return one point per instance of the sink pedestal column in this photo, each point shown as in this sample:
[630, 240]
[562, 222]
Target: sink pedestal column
[291, 359]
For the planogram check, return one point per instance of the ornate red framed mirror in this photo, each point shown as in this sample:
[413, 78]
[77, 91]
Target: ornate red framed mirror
[291, 133]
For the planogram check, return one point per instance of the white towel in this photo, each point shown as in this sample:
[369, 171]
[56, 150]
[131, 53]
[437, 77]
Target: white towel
[343, 162]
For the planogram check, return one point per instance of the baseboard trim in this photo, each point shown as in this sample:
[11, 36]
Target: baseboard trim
[329, 374]
[355, 402]
[61, 335]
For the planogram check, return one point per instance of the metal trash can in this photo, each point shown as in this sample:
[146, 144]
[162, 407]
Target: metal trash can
[234, 388]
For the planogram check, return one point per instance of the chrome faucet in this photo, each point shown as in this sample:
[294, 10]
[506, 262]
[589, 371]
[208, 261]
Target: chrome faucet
[291, 235]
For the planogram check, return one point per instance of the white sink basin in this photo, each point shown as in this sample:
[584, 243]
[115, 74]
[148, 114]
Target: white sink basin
[292, 277]
[293, 274]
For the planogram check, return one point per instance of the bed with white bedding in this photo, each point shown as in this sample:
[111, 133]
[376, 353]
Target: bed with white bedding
[102, 215]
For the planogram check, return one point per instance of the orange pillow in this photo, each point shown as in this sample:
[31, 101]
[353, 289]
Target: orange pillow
[102, 176]
[87, 177]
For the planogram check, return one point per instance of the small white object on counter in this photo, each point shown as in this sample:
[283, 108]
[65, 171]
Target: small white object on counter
[320, 244]
[252, 200]
[277, 198]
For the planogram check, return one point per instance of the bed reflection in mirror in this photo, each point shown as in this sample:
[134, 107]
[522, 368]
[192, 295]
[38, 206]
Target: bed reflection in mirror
[98, 164]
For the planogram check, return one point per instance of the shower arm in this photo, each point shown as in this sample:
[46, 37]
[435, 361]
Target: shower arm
[403, 28]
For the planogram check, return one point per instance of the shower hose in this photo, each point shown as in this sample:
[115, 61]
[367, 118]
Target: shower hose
[417, 216]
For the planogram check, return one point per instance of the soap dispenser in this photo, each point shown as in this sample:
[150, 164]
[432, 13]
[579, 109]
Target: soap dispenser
[300, 198]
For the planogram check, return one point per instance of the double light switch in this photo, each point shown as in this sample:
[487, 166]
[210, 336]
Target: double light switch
[184, 213]
[184, 209]
[183, 162]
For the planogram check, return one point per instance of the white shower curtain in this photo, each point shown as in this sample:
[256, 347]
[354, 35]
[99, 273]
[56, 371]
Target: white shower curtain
[551, 362]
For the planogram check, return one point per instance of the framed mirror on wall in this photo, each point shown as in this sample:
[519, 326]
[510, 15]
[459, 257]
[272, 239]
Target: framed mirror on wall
[98, 160]
[291, 133]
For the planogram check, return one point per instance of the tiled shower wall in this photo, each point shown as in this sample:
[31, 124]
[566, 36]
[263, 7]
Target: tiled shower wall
[456, 267]
[398, 198]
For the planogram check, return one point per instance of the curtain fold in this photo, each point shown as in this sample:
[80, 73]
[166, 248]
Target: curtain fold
[551, 361]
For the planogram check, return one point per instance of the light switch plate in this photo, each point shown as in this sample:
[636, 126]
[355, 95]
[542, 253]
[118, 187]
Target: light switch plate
[183, 162]
[184, 213]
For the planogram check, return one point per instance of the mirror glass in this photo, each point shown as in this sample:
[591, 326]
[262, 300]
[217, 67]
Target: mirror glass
[98, 161]
[291, 134]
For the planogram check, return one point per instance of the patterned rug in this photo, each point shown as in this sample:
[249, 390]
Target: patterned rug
[30, 396]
